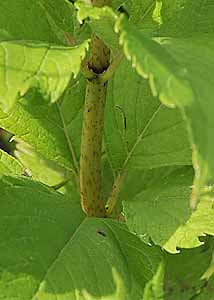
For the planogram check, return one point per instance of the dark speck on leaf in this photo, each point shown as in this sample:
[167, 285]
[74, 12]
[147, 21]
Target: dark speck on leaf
[101, 233]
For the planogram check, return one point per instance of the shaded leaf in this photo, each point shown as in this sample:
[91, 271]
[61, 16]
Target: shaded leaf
[207, 293]
[183, 277]
[40, 169]
[154, 288]
[210, 270]
[50, 19]
[80, 261]
[31, 219]
[117, 3]
[9, 165]
[120, 292]
[160, 209]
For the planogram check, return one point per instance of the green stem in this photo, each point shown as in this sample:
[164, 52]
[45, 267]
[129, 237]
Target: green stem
[92, 133]
[112, 200]
[91, 149]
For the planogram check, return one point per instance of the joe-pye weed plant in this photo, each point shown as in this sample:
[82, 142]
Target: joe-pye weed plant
[109, 191]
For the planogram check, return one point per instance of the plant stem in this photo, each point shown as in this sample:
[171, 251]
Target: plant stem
[92, 134]
[91, 149]
[112, 200]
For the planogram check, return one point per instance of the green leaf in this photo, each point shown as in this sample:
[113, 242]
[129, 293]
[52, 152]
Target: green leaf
[146, 15]
[54, 130]
[210, 270]
[183, 274]
[207, 292]
[50, 250]
[140, 132]
[100, 255]
[166, 76]
[157, 207]
[154, 288]
[181, 18]
[31, 219]
[120, 292]
[24, 65]
[179, 76]
[40, 169]
[47, 171]
[102, 21]
[44, 20]
[9, 165]
[117, 3]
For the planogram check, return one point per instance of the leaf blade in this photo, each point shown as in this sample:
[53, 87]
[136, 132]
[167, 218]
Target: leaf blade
[25, 65]
[36, 265]
[157, 207]
[174, 80]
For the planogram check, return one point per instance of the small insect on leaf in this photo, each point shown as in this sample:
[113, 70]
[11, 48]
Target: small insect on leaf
[101, 233]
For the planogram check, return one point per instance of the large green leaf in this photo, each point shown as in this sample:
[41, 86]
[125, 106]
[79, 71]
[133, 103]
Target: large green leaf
[140, 132]
[157, 207]
[44, 20]
[25, 64]
[53, 131]
[50, 250]
[179, 72]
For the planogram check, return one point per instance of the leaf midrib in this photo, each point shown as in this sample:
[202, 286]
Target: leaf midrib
[57, 257]
[139, 139]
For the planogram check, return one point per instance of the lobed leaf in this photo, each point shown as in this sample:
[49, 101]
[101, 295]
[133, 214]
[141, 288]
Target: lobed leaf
[172, 68]
[24, 65]
[53, 131]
